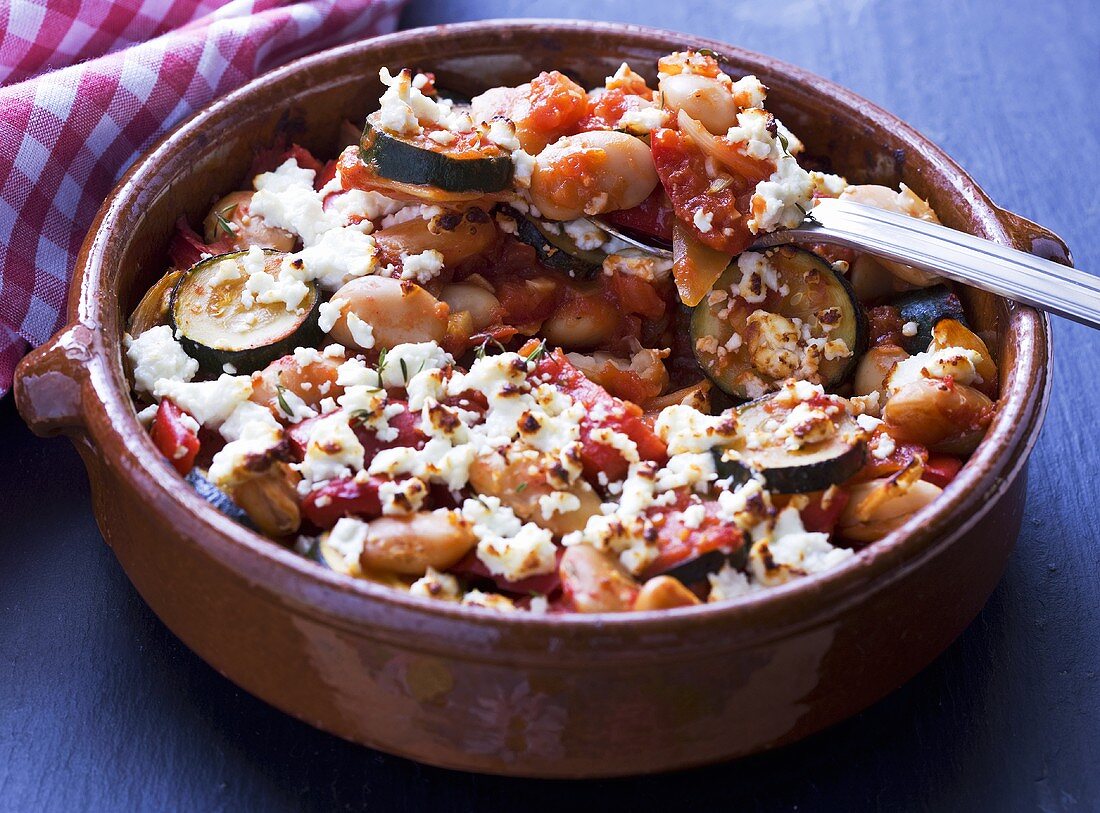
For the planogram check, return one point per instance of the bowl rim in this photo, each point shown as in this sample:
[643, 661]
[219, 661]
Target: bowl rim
[987, 472]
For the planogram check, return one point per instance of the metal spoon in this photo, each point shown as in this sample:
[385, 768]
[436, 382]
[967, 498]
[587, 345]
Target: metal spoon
[931, 247]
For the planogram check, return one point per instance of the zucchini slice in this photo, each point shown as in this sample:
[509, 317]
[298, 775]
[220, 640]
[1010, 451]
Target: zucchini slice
[216, 328]
[553, 246]
[927, 307]
[465, 166]
[759, 449]
[748, 348]
[218, 498]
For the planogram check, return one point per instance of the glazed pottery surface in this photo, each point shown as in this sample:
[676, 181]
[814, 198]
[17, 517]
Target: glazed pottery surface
[518, 694]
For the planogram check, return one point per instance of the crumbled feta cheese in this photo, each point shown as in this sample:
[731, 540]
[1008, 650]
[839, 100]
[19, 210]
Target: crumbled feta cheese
[503, 133]
[244, 417]
[423, 267]
[434, 584]
[346, 539]
[702, 220]
[333, 450]
[210, 403]
[524, 167]
[959, 363]
[400, 497]
[909, 329]
[335, 257]
[585, 234]
[233, 463]
[729, 583]
[286, 199]
[330, 312]
[643, 120]
[155, 355]
[686, 429]
[507, 546]
[361, 332]
[790, 551]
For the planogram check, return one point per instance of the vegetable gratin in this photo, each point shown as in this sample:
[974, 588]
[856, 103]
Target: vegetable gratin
[427, 363]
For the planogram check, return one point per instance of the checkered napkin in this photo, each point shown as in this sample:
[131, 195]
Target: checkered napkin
[87, 85]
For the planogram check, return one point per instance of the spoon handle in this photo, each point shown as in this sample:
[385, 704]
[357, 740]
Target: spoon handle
[1059, 289]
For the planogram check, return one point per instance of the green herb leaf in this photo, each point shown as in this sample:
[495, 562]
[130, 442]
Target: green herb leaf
[521, 487]
[381, 364]
[538, 352]
[783, 142]
[404, 371]
[280, 391]
[224, 224]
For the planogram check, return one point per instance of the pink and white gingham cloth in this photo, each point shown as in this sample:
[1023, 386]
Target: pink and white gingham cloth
[87, 85]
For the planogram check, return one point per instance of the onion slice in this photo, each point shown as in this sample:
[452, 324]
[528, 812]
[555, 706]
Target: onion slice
[752, 170]
[695, 265]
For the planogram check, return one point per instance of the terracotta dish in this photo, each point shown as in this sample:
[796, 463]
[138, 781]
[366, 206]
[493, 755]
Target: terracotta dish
[463, 687]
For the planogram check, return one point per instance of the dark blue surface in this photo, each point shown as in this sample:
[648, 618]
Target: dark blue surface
[101, 708]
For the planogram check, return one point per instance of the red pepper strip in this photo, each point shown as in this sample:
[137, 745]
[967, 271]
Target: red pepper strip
[406, 423]
[604, 410]
[543, 584]
[346, 497]
[187, 247]
[677, 543]
[175, 440]
[653, 216]
[818, 518]
[941, 469]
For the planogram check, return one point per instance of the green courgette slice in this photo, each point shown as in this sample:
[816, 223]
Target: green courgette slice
[926, 307]
[216, 327]
[468, 165]
[553, 246]
[218, 498]
[813, 467]
[807, 289]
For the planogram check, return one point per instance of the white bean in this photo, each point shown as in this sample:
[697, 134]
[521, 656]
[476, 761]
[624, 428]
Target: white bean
[397, 311]
[591, 173]
[703, 98]
[483, 307]
[411, 544]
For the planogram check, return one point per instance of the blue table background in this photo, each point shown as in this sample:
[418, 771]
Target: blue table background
[102, 708]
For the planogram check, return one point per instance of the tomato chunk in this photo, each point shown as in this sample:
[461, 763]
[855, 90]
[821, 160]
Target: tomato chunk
[345, 497]
[543, 584]
[941, 469]
[817, 517]
[653, 216]
[187, 247]
[678, 543]
[683, 172]
[173, 437]
[604, 410]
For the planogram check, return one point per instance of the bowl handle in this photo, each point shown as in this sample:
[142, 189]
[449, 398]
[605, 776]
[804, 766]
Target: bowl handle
[1036, 239]
[51, 381]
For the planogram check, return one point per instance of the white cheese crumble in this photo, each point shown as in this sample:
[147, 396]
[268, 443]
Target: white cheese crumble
[155, 355]
[210, 403]
[702, 220]
[958, 362]
[361, 332]
[330, 312]
[507, 546]
[790, 551]
[686, 429]
[332, 451]
[585, 234]
[423, 267]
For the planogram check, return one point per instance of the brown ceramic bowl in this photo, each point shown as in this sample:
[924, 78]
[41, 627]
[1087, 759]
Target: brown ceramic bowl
[535, 696]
